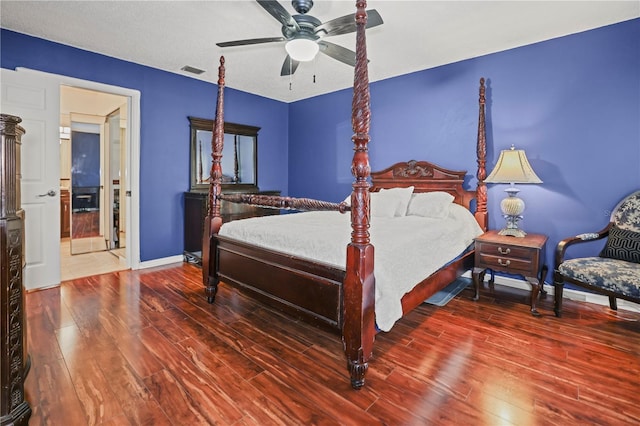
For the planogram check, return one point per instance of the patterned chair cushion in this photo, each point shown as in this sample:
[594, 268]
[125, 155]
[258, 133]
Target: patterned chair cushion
[627, 214]
[614, 275]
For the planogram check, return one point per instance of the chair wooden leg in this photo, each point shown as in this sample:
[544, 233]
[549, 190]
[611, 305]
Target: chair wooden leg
[557, 306]
[613, 303]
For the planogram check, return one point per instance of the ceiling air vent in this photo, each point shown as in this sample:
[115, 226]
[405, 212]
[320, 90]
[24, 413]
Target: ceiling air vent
[192, 70]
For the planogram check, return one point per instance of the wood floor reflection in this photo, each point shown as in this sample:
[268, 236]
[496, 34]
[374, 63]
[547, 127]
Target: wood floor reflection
[144, 347]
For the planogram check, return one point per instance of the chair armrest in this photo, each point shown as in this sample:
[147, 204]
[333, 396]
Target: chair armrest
[581, 238]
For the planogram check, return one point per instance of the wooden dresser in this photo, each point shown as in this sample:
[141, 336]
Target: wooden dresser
[14, 409]
[195, 210]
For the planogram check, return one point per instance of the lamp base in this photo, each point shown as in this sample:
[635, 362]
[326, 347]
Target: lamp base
[513, 232]
[512, 208]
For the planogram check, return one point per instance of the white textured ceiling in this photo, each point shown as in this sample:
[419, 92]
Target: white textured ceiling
[416, 35]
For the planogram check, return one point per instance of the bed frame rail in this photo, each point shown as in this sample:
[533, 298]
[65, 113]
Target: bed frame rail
[285, 203]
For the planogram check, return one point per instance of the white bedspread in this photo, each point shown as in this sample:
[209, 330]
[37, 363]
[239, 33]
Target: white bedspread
[407, 249]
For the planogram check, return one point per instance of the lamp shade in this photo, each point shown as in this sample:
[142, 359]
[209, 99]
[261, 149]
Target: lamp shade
[302, 49]
[513, 167]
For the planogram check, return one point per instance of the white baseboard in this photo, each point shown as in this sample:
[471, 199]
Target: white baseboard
[568, 293]
[161, 262]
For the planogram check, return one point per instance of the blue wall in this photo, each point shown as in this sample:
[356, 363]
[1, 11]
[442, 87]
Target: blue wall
[572, 103]
[166, 101]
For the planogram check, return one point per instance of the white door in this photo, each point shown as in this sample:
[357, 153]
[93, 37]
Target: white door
[36, 99]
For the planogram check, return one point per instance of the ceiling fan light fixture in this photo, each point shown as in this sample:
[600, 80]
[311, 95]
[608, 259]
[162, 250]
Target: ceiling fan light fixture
[302, 49]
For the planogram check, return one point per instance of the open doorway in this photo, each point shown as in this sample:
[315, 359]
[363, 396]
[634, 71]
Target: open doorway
[35, 97]
[93, 164]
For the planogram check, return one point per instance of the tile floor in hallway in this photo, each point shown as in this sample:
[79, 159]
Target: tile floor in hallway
[91, 263]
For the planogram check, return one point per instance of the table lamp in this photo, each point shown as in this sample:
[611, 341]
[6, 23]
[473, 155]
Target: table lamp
[512, 167]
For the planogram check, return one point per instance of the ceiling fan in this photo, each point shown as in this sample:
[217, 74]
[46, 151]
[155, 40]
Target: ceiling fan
[305, 34]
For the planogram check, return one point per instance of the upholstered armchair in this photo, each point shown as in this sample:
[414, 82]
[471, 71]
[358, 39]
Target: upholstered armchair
[615, 272]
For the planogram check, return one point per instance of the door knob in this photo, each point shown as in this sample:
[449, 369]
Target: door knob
[51, 193]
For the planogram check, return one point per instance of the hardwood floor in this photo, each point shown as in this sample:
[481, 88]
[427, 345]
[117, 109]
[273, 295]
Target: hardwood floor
[144, 347]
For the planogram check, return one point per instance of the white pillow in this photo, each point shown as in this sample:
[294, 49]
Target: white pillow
[382, 206]
[430, 204]
[399, 197]
[388, 202]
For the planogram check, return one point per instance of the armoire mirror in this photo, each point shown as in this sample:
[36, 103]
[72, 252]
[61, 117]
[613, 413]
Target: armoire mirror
[239, 156]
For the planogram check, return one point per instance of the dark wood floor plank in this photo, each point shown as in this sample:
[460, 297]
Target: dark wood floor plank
[623, 410]
[52, 395]
[325, 399]
[229, 348]
[141, 359]
[93, 391]
[137, 403]
[296, 408]
[215, 372]
[144, 347]
[208, 325]
[167, 323]
[214, 404]
[174, 400]
[41, 338]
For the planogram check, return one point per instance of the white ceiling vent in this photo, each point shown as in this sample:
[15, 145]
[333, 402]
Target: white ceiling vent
[192, 70]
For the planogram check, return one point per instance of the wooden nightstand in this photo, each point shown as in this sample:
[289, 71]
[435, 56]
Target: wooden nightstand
[513, 255]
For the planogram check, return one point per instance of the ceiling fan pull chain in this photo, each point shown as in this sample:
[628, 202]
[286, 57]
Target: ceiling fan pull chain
[290, 72]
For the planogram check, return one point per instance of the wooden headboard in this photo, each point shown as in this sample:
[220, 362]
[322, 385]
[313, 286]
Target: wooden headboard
[424, 177]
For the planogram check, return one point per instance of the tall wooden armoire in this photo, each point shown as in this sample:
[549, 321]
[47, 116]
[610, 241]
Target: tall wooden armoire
[14, 409]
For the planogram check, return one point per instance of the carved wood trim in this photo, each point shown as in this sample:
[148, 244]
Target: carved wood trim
[213, 221]
[358, 332]
[217, 144]
[285, 203]
[481, 150]
[14, 409]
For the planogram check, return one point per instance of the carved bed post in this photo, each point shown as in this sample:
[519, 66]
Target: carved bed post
[358, 331]
[213, 221]
[481, 190]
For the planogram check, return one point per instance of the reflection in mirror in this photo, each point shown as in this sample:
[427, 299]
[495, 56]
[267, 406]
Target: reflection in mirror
[237, 159]
[86, 223]
[239, 155]
[97, 157]
[114, 215]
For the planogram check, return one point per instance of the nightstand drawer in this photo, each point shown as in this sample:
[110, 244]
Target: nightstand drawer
[505, 250]
[505, 263]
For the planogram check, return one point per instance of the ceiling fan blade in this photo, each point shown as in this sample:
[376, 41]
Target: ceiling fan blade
[339, 53]
[347, 24]
[250, 41]
[276, 10]
[289, 66]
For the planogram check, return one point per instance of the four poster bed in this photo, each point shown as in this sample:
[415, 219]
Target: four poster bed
[325, 288]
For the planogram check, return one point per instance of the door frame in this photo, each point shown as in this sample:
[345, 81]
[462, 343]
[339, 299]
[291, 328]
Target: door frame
[132, 169]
